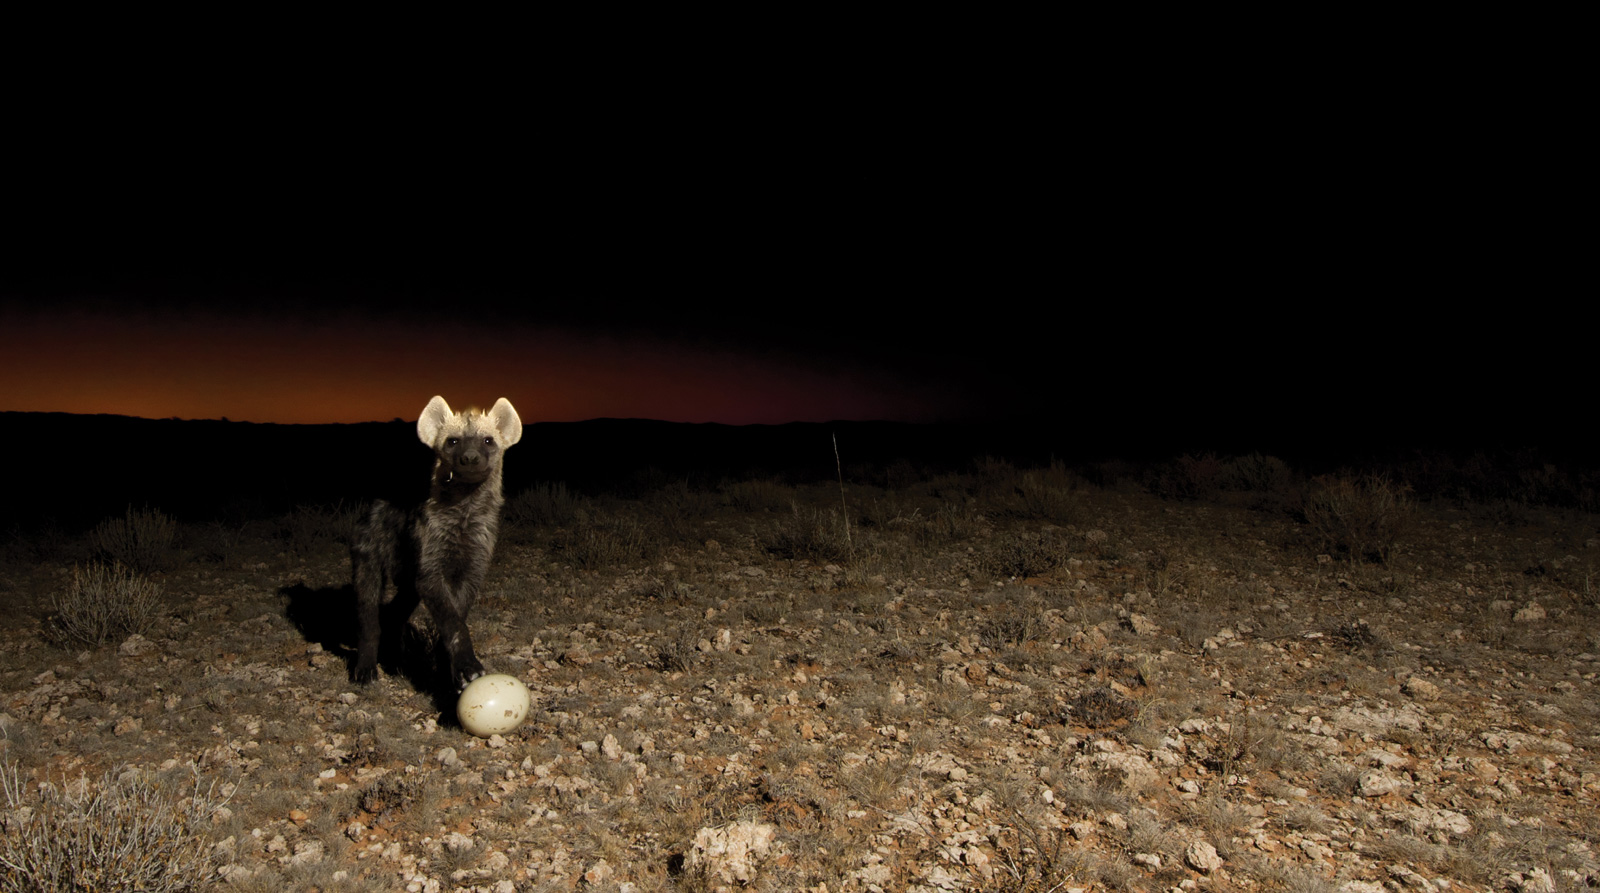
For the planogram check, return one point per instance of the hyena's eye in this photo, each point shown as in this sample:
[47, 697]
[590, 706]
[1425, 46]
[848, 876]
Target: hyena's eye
[451, 441]
[488, 440]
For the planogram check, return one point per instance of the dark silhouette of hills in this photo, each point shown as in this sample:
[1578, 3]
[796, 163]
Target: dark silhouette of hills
[74, 470]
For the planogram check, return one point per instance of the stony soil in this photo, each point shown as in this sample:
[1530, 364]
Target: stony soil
[1117, 693]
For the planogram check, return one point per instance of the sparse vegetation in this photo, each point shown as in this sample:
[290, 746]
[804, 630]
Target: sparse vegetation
[1006, 680]
[546, 504]
[1362, 518]
[103, 603]
[141, 539]
[1023, 554]
[121, 833]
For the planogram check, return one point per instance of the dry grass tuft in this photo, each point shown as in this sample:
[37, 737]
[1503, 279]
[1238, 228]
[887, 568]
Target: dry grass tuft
[1362, 518]
[123, 833]
[103, 603]
[141, 539]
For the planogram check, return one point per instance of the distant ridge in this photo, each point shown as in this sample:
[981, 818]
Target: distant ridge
[77, 469]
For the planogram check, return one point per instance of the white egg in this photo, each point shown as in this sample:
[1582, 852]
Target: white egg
[493, 705]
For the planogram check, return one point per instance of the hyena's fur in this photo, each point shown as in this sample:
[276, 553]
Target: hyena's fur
[437, 552]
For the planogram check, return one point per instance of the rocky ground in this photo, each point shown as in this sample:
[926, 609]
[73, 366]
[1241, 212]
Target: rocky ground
[996, 682]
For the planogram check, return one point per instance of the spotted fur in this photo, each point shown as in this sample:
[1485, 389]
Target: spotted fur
[435, 553]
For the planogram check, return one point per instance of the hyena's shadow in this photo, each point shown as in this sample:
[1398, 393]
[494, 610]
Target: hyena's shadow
[327, 615]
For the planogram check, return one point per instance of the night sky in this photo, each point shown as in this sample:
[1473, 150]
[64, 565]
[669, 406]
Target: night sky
[1222, 267]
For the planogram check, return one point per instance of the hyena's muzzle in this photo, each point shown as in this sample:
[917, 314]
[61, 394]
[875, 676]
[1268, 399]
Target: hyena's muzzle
[469, 458]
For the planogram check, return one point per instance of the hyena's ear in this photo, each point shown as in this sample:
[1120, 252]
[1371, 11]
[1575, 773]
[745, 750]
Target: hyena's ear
[506, 421]
[434, 417]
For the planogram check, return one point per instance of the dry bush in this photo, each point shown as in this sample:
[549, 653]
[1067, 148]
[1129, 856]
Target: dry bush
[123, 833]
[812, 534]
[1022, 554]
[545, 504]
[141, 539]
[1048, 494]
[603, 542]
[310, 527]
[103, 603]
[1256, 473]
[1013, 627]
[1363, 518]
[1040, 494]
[678, 509]
[1188, 477]
[216, 542]
[759, 495]
[1031, 858]
[1100, 708]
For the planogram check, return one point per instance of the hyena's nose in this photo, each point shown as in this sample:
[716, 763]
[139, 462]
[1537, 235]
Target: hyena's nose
[470, 459]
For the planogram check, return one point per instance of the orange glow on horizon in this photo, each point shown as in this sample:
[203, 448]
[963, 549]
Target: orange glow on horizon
[349, 370]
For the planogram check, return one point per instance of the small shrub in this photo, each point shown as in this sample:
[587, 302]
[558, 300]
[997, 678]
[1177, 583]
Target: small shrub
[122, 834]
[1256, 473]
[1048, 494]
[216, 542]
[1188, 477]
[677, 654]
[1013, 628]
[103, 603]
[141, 539]
[678, 509]
[1363, 518]
[1030, 857]
[602, 542]
[757, 495]
[1023, 554]
[1355, 635]
[952, 522]
[544, 504]
[309, 527]
[1099, 708]
[812, 534]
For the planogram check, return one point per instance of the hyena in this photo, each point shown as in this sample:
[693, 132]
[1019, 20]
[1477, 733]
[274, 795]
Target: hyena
[436, 552]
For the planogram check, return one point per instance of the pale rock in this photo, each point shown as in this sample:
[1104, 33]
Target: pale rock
[1383, 758]
[1482, 768]
[1537, 880]
[1437, 822]
[598, 873]
[1420, 689]
[1143, 625]
[135, 645]
[1202, 857]
[1135, 770]
[307, 852]
[1409, 877]
[1376, 784]
[730, 853]
[1529, 613]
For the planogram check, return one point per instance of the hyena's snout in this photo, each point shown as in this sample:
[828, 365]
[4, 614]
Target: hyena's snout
[472, 460]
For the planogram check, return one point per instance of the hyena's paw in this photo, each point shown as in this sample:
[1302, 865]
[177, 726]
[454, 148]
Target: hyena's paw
[364, 673]
[467, 673]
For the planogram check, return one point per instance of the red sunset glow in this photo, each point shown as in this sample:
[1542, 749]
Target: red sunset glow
[353, 370]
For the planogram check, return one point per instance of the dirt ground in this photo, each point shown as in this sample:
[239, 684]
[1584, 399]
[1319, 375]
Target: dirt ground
[1004, 680]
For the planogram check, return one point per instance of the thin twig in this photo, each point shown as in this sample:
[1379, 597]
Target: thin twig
[846, 512]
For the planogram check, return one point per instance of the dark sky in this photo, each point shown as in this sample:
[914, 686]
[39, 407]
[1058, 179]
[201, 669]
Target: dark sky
[1222, 254]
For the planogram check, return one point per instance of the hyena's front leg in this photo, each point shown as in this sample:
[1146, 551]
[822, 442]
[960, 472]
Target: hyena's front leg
[449, 609]
[369, 581]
